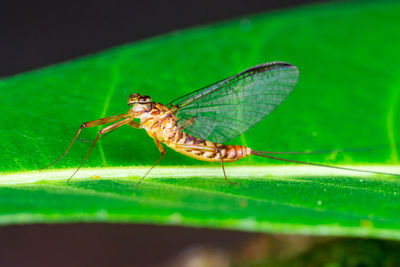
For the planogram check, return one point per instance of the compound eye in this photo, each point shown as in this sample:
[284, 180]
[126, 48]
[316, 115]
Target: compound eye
[134, 95]
[145, 99]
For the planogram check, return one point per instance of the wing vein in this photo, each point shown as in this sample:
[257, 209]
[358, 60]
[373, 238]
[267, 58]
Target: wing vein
[230, 107]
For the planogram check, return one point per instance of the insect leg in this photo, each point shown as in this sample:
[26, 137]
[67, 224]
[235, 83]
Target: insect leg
[135, 125]
[223, 169]
[101, 132]
[208, 149]
[88, 125]
[162, 151]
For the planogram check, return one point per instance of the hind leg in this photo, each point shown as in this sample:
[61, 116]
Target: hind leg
[208, 149]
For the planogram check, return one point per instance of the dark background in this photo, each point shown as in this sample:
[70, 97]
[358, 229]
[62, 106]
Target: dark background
[38, 33]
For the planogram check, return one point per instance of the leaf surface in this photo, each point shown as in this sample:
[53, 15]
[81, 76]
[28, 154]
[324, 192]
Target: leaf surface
[347, 97]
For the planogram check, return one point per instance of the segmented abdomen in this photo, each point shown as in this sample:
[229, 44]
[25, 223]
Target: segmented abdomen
[207, 151]
[168, 132]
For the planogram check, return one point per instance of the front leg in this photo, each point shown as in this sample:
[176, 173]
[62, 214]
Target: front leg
[102, 132]
[89, 125]
[133, 124]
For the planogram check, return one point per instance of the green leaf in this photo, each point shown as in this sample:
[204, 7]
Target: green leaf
[347, 97]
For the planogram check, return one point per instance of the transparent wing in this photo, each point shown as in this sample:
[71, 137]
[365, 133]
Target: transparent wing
[227, 109]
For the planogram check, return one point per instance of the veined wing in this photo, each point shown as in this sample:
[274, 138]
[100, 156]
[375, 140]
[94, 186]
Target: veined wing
[227, 109]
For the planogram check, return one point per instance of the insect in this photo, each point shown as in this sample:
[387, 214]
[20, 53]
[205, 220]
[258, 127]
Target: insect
[197, 124]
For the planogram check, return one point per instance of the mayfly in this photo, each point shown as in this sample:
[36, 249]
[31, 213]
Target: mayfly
[197, 124]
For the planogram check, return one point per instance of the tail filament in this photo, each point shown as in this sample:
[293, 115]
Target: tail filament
[265, 155]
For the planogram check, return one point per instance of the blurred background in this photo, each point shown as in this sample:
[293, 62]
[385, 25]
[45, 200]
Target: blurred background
[38, 33]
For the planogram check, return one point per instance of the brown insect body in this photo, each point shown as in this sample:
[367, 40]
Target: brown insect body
[161, 124]
[233, 105]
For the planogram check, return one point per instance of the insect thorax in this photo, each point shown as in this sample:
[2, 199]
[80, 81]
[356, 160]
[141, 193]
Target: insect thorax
[148, 111]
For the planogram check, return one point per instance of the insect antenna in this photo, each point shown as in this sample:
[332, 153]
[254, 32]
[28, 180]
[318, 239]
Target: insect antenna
[262, 154]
